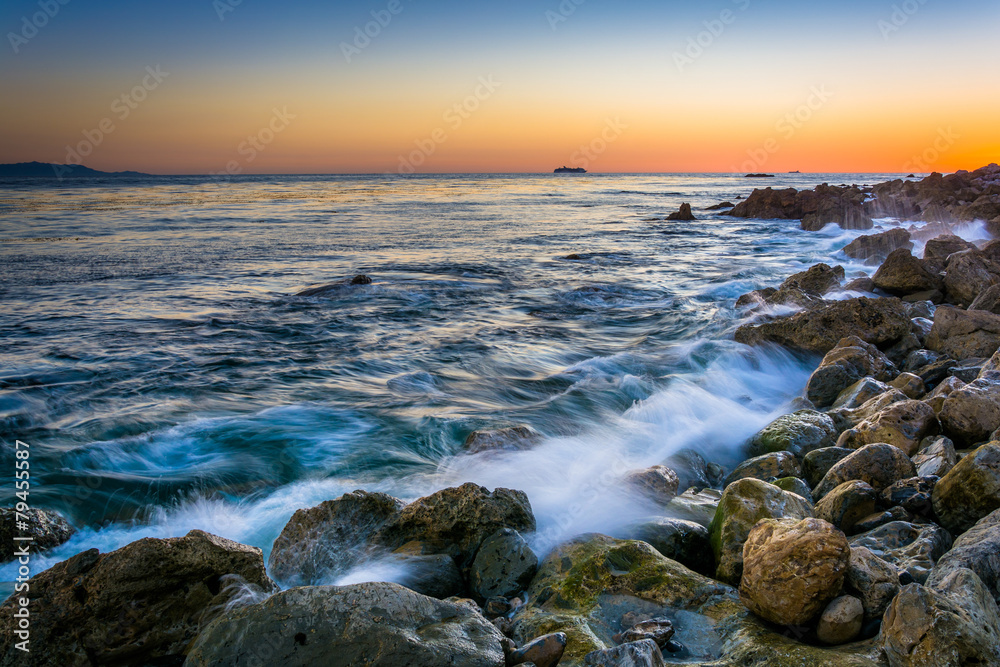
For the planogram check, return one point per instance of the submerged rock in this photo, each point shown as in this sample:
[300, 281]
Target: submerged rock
[141, 604]
[970, 491]
[46, 529]
[374, 624]
[509, 438]
[658, 483]
[683, 214]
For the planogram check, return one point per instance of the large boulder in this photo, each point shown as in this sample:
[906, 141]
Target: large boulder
[970, 413]
[880, 322]
[988, 300]
[792, 569]
[859, 393]
[977, 549]
[799, 433]
[141, 604]
[903, 425]
[767, 467]
[815, 281]
[845, 365]
[873, 248]
[503, 567]
[967, 274]
[909, 546]
[743, 504]
[962, 334]
[374, 624]
[878, 465]
[321, 542]
[902, 274]
[940, 248]
[847, 504]
[45, 528]
[954, 624]
[970, 491]
[455, 521]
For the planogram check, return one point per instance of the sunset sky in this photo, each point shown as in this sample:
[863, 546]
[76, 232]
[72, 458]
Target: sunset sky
[516, 86]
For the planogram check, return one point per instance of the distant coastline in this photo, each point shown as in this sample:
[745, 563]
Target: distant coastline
[59, 171]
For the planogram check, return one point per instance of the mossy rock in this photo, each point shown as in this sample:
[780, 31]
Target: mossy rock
[798, 433]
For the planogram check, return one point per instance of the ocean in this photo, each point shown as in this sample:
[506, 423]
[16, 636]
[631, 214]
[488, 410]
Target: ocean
[157, 360]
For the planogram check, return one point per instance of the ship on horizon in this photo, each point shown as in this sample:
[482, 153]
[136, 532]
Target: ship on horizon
[570, 170]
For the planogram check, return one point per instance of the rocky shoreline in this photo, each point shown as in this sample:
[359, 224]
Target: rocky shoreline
[862, 529]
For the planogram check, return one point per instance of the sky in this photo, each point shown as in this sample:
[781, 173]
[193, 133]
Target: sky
[403, 86]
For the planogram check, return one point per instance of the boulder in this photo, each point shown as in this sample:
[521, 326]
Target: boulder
[795, 485]
[971, 413]
[660, 630]
[936, 459]
[696, 506]
[902, 425]
[847, 504]
[940, 394]
[861, 284]
[509, 438]
[375, 624]
[877, 464]
[816, 281]
[658, 483]
[909, 546]
[683, 214]
[848, 363]
[503, 567]
[141, 604]
[859, 393]
[644, 653]
[961, 334]
[319, 543]
[434, 575]
[798, 433]
[792, 569]
[968, 274]
[767, 467]
[913, 495]
[846, 418]
[881, 518]
[873, 248]
[902, 274]
[953, 624]
[880, 322]
[683, 541]
[873, 581]
[46, 529]
[841, 621]
[942, 247]
[743, 504]
[970, 491]
[691, 469]
[545, 651]
[910, 384]
[988, 300]
[977, 549]
[455, 521]
[818, 462]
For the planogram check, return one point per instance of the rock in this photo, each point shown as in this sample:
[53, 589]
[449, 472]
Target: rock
[504, 565]
[874, 248]
[936, 371]
[818, 462]
[320, 543]
[873, 581]
[988, 300]
[743, 504]
[815, 208]
[795, 485]
[690, 468]
[846, 418]
[845, 365]
[792, 569]
[544, 651]
[977, 549]
[971, 413]
[911, 547]
[860, 393]
[455, 521]
[944, 246]
[902, 425]
[937, 459]
[433, 575]
[660, 630]
[877, 464]
[683, 541]
[799, 433]
[375, 624]
[955, 623]
[816, 281]
[879, 519]
[913, 495]
[683, 214]
[841, 621]
[847, 504]
[510, 438]
[970, 491]
[909, 384]
[141, 604]
[964, 333]
[756, 298]
[967, 275]
[880, 322]
[658, 483]
[644, 653]
[361, 279]
[902, 274]
[767, 467]
[698, 507]
[720, 206]
[936, 398]
[46, 529]
[862, 284]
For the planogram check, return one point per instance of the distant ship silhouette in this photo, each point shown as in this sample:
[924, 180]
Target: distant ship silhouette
[570, 170]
